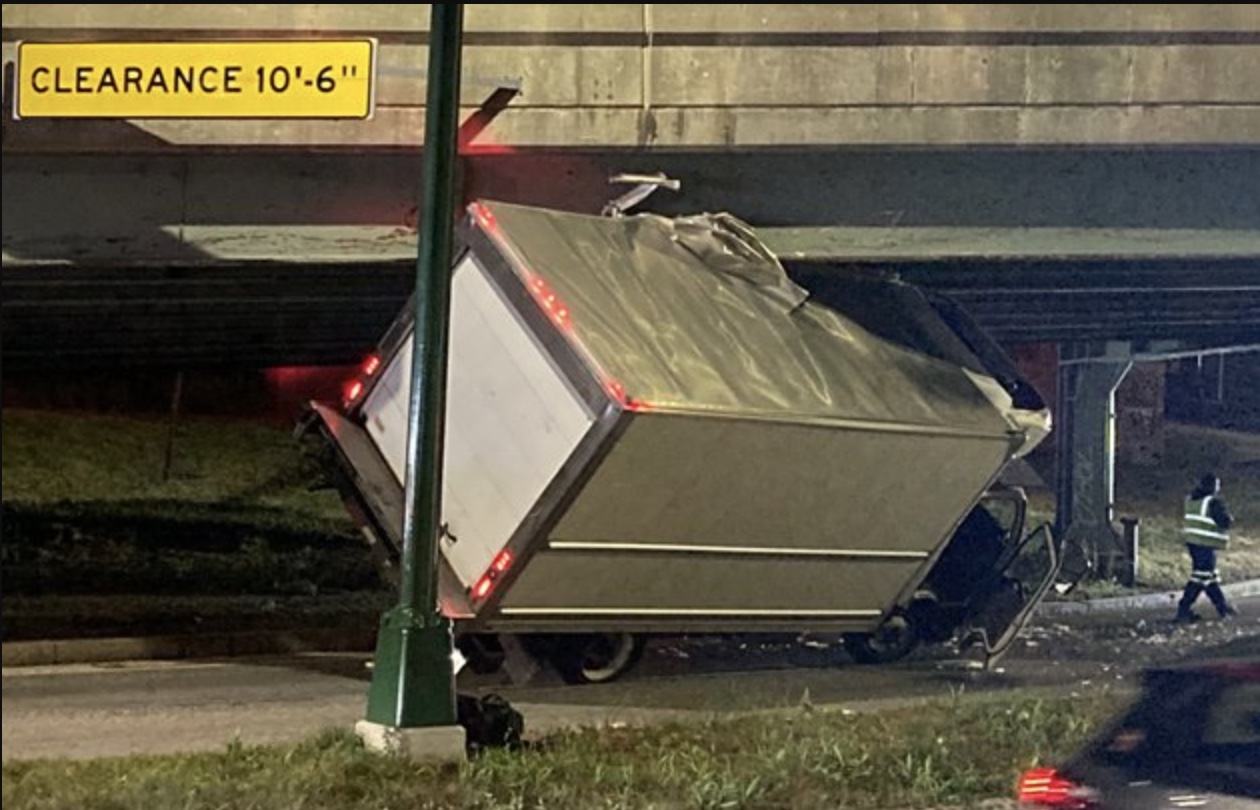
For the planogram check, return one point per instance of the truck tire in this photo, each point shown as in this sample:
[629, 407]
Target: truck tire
[891, 641]
[596, 657]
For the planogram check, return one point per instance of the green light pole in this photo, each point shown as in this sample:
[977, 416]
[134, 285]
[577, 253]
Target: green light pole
[412, 681]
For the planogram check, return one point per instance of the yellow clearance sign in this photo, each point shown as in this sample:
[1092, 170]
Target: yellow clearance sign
[198, 79]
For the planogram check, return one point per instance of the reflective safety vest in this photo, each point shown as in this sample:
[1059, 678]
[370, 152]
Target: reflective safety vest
[1200, 529]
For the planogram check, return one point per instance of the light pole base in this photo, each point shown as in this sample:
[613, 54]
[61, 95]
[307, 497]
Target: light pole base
[431, 742]
[413, 678]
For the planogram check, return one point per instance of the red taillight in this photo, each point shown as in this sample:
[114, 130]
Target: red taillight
[502, 561]
[354, 388]
[1044, 787]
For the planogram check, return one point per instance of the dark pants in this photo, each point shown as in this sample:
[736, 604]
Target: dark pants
[1203, 579]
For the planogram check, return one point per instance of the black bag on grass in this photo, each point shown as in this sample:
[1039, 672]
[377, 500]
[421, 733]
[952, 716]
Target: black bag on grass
[489, 722]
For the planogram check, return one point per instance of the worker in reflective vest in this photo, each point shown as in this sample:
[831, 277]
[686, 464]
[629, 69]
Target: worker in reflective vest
[1206, 530]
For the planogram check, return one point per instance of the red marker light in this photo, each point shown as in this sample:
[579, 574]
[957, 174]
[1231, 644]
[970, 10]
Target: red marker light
[353, 390]
[371, 365]
[550, 302]
[618, 392]
[502, 561]
[485, 217]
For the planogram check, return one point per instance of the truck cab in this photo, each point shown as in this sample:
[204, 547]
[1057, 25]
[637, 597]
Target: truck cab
[981, 589]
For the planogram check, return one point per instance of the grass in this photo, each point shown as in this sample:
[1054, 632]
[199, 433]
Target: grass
[1154, 494]
[216, 464]
[956, 752]
[92, 515]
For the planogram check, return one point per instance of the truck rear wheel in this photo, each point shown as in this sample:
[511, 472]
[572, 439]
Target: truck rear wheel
[891, 641]
[596, 657]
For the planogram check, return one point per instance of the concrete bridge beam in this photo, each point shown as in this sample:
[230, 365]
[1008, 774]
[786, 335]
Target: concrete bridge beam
[731, 76]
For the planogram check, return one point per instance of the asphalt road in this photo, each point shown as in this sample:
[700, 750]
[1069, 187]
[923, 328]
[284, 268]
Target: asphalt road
[87, 711]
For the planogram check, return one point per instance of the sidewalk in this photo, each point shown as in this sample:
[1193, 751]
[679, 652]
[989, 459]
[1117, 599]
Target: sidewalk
[1149, 601]
[362, 639]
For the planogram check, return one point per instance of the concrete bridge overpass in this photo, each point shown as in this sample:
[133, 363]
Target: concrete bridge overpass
[322, 295]
[1128, 135]
[909, 115]
[952, 115]
[723, 76]
[975, 118]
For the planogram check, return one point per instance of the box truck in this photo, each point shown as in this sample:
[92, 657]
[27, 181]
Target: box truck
[653, 428]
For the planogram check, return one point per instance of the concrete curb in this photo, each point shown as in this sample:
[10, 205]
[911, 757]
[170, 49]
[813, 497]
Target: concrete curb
[361, 638]
[1163, 599]
[169, 648]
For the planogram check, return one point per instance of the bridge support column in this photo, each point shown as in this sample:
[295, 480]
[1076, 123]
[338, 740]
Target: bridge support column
[1089, 374]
